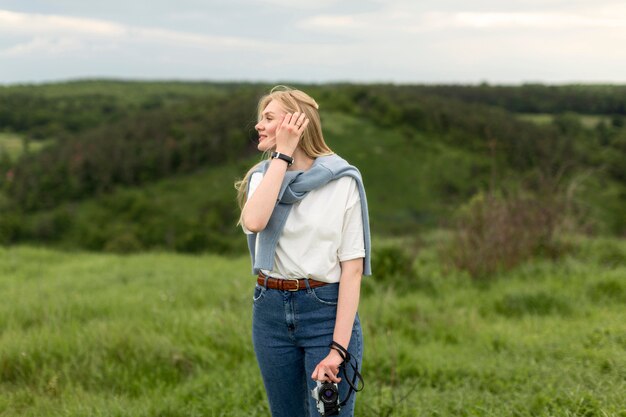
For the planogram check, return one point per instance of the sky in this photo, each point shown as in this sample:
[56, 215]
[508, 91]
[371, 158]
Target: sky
[396, 41]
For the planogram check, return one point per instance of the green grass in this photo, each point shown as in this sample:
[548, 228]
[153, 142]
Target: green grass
[589, 121]
[13, 144]
[169, 335]
[129, 92]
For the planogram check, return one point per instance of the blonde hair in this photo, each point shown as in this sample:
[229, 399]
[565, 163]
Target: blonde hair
[312, 141]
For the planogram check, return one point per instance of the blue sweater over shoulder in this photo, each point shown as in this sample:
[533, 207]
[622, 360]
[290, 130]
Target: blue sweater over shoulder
[294, 188]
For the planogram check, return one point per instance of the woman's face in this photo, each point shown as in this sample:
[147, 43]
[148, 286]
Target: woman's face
[271, 118]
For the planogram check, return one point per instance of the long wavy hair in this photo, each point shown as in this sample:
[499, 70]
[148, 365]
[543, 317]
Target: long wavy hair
[312, 141]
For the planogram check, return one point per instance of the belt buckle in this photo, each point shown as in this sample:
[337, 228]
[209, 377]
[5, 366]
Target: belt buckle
[297, 283]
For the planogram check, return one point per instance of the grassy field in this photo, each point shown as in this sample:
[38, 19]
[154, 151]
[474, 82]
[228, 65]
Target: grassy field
[589, 121]
[169, 335]
[13, 144]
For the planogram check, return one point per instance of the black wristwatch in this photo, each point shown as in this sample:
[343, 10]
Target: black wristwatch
[282, 156]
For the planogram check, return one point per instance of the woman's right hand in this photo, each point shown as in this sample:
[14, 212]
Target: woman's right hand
[290, 131]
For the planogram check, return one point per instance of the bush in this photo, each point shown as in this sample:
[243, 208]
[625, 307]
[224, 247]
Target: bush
[125, 242]
[392, 265]
[50, 226]
[496, 233]
[193, 241]
[11, 227]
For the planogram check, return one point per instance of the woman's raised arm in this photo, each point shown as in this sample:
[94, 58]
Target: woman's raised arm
[258, 209]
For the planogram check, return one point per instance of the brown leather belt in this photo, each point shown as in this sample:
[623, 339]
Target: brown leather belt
[288, 284]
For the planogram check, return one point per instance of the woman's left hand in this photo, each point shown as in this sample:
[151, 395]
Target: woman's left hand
[328, 368]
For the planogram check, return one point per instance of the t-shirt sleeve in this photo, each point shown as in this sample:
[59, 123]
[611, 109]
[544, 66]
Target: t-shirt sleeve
[255, 180]
[352, 241]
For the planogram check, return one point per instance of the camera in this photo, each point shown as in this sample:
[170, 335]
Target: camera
[327, 396]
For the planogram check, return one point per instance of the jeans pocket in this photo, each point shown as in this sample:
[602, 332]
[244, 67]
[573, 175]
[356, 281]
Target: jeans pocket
[328, 294]
[259, 292]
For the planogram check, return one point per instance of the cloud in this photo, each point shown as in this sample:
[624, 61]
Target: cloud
[302, 5]
[41, 45]
[28, 23]
[513, 20]
[61, 33]
[421, 43]
[381, 40]
[393, 20]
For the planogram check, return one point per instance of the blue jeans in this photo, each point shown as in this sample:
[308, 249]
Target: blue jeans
[291, 332]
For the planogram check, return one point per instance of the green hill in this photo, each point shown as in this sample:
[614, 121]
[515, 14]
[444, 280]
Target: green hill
[410, 186]
[134, 166]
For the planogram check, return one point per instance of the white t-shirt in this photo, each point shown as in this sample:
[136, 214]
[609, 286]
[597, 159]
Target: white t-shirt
[322, 229]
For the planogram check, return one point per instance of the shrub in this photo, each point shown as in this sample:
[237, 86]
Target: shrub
[392, 265]
[124, 242]
[192, 241]
[50, 226]
[11, 227]
[497, 233]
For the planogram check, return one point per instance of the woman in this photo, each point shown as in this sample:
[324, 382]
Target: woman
[305, 213]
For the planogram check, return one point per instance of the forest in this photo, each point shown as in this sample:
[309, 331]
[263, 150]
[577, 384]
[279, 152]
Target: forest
[156, 161]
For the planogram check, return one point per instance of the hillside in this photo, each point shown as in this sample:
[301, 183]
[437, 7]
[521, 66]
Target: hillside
[196, 212]
[155, 162]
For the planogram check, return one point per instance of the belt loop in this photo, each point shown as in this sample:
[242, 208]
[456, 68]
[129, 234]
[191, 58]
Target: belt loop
[265, 280]
[308, 286]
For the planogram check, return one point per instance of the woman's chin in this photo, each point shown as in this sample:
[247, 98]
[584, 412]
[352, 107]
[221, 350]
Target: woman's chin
[265, 147]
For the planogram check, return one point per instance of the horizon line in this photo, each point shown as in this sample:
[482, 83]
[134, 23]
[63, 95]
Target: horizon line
[189, 80]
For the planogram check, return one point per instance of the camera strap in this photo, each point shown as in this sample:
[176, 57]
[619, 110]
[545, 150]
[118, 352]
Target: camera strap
[348, 359]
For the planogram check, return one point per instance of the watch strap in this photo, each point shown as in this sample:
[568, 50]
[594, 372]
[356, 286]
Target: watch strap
[282, 156]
